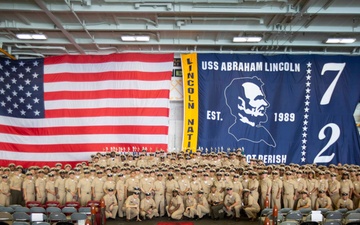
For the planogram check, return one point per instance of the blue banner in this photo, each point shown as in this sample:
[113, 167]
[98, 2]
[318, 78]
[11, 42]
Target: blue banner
[281, 109]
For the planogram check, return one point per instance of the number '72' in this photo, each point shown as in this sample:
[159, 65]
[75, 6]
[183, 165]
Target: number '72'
[335, 130]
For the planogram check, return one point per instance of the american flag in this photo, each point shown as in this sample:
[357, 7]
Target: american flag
[65, 108]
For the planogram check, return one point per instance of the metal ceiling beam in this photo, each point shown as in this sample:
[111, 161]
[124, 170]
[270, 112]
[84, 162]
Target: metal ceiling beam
[182, 49]
[244, 8]
[131, 7]
[59, 25]
[140, 26]
[281, 41]
[178, 24]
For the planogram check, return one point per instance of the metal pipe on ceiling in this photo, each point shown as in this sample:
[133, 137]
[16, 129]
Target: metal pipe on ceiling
[181, 19]
[169, 6]
[327, 4]
[260, 20]
[137, 18]
[41, 47]
[29, 55]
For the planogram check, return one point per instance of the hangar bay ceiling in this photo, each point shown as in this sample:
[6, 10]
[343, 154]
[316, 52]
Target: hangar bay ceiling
[228, 26]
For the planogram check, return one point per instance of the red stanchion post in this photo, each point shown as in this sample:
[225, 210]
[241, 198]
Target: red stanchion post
[275, 215]
[93, 212]
[267, 221]
[267, 202]
[102, 207]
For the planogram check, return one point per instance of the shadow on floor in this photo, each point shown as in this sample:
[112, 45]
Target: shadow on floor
[204, 221]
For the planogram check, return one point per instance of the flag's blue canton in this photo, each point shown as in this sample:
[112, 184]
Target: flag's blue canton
[21, 88]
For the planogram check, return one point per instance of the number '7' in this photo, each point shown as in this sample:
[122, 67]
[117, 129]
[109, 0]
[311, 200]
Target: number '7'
[331, 67]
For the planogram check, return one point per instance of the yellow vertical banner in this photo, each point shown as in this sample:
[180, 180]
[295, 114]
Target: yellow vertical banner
[191, 101]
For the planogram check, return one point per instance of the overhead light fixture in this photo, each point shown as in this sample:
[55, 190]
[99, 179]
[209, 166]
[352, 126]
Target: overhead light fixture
[140, 38]
[247, 39]
[31, 36]
[39, 37]
[24, 36]
[340, 40]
